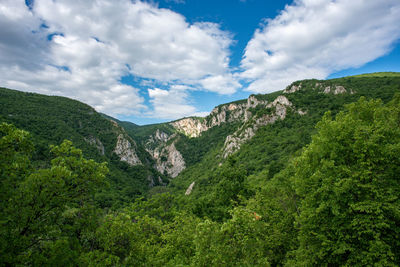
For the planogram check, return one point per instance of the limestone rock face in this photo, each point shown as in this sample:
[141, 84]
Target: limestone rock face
[189, 189]
[335, 89]
[339, 90]
[161, 136]
[243, 134]
[126, 151]
[191, 127]
[292, 89]
[168, 160]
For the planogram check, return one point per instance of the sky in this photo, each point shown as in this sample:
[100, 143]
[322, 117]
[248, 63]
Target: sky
[159, 60]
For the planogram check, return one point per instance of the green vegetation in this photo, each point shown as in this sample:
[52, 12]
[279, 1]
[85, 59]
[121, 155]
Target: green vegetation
[194, 149]
[318, 189]
[51, 119]
[47, 214]
[379, 74]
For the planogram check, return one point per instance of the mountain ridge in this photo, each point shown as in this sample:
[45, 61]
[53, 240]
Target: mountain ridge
[168, 149]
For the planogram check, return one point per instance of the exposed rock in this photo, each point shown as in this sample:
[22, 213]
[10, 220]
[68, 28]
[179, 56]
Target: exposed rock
[97, 143]
[234, 141]
[114, 123]
[161, 136]
[293, 88]
[126, 151]
[189, 189]
[176, 163]
[232, 107]
[252, 102]
[281, 100]
[280, 104]
[302, 112]
[339, 90]
[191, 127]
[218, 117]
[168, 160]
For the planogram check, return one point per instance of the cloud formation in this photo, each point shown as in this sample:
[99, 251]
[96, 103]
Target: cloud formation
[171, 103]
[81, 49]
[314, 38]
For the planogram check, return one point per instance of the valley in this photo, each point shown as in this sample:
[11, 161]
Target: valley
[259, 181]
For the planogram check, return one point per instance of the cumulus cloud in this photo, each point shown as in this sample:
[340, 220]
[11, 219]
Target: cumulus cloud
[226, 84]
[81, 49]
[18, 46]
[171, 104]
[313, 38]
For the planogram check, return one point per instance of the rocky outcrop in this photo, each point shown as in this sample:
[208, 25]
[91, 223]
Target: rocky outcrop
[161, 147]
[125, 149]
[189, 189]
[335, 89]
[292, 89]
[191, 127]
[161, 136]
[243, 134]
[339, 90]
[96, 143]
[168, 159]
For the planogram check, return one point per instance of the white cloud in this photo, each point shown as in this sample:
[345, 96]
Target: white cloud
[170, 104]
[226, 84]
[313, 38]
[97, 42]
[156, 43]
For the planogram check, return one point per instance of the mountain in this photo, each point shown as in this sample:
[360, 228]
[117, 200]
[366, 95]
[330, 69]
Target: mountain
[262, 132]
[300, 177]
[51, 119]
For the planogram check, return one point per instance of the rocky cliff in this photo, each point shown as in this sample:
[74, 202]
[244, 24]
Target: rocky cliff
[125, 146]
[250, 114]
[125, 149]
[270, 112]
[168, 160]
[320, 87]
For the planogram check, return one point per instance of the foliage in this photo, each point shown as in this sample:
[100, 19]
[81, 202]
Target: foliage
[293, 195]
[348, 181]
[46, 212]
[52, 119]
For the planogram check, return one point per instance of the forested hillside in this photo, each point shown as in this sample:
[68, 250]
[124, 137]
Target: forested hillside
[51, 120]
[307, 176]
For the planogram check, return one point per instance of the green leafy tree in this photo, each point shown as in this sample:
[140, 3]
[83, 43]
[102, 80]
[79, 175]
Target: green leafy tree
[348, 179]
[46, 214]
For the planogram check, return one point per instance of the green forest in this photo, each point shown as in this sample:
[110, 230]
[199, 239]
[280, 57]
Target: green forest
[320, 189]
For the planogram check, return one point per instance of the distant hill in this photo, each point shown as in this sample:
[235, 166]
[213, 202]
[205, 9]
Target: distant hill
[378, 74]
[280, 179]
[51, 119]
[260, 133]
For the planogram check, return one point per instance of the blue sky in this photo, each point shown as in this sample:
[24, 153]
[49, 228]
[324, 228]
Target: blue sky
[156, 61]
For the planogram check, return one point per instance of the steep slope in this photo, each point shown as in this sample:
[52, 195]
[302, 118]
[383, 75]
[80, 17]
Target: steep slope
[260, 133]
[52, 119]
[263, 132]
